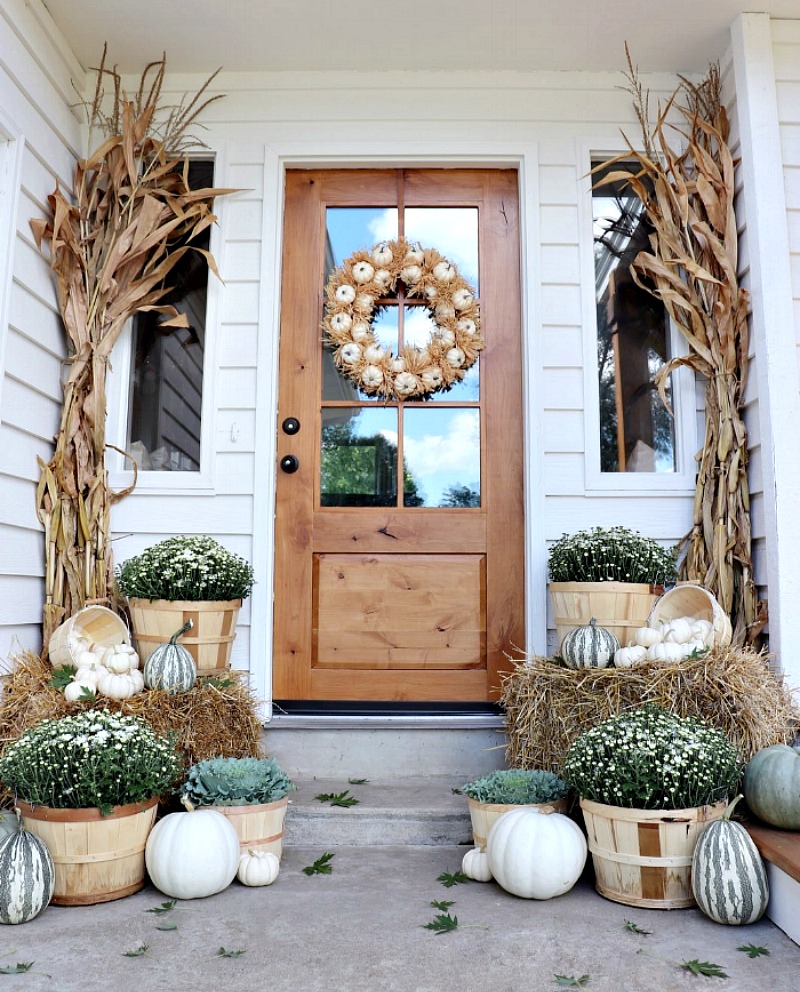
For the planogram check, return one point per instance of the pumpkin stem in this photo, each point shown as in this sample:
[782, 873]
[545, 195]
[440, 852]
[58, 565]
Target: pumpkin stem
[727, 814]
[187, 626]
[190, 808]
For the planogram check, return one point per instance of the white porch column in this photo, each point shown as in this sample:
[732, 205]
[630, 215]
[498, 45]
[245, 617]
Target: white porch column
[774, 338]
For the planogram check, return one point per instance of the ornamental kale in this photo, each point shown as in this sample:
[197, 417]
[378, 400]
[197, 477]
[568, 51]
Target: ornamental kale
[515, 785]
[90, 759]
[235, 782]
[615, 554]
[186, 568]
[651, 759]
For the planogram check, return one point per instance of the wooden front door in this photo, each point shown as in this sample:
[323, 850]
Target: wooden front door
[399, 558]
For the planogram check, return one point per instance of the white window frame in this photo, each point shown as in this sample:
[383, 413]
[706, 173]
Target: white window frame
[120, 473]
[684, 389]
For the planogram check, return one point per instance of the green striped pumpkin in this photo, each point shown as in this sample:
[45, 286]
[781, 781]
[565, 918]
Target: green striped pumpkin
[170, 667]
[589, 647]
[27, 877]
[729, 879]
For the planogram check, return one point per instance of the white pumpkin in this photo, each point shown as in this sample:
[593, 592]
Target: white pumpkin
[89, 676]
[666, 651]
[371, 377]
[75, 690]
[413, 257]
[137, 677]
[118, 662]
[117, 686]
[341, 322]
[536, 855]
[365, 303]
[444, 272]
[88, 659]
[351, 353]
[410, 274]
[462, 298]
[627, 657]
[646, 637]
[475, 865]
[694, 646]
[405, 384]
[444, 312]
[383, 277]
[345, 293]
[455, 357]
[192, 855]
[363, 272]
[466, 326]
[373, 353]
[360, 331]
[703, 630]
[678, 631]
[382, 255]
[258, 868]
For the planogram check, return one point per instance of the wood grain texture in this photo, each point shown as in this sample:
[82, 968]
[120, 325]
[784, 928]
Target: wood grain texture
[429, 599]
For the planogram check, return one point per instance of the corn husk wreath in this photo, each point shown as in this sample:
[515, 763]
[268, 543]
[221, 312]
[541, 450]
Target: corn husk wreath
[112, 248]
[688, 197]
[354, 292]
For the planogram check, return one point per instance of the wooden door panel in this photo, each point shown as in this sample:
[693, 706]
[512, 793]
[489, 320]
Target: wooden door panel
[431, 597]
[400, 611]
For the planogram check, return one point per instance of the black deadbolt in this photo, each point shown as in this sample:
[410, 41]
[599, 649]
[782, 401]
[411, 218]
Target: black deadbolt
[291, 425]
[290, 463]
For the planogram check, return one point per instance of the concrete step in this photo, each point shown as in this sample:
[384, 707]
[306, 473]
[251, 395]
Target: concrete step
[386, 749]
[387, 814]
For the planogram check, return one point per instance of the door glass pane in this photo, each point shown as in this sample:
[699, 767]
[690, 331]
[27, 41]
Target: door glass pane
[418, 329]
[164, 422]
[442, 453]
[451, 230]
[359, 457]
[351, 228]
[335, 384]
[636, 429]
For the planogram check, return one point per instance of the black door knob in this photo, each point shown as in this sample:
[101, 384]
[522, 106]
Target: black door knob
[290, 463]
[291, 425]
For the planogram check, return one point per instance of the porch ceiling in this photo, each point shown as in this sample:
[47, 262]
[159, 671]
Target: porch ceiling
[253, 35]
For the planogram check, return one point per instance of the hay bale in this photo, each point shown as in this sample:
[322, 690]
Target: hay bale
[217, 717]
[547, 706]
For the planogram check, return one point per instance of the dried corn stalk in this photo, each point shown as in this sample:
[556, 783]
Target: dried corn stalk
[692, 268]
[112, 247]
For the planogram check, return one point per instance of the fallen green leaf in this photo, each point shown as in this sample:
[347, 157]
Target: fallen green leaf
[222, 953]
[753, 950]
[321, 866]
[707, 968]
[142, 949]
[337, 798]
[167, 925]
[61, 677]
[17, 969]
[449, 879]
[571, 981]
[443, 904]
[165, 907]
[632, 927]
[442, 923]
[357, 781]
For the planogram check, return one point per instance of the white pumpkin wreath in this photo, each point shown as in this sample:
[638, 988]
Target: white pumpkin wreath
[355, 290]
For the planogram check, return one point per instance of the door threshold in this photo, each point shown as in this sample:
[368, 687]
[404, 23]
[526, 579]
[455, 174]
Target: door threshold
[376, 715]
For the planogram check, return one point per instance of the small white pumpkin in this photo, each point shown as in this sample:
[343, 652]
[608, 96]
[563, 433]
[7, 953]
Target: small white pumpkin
[475, 865]
[341, 322]
[88, 659]
[360, 331]
[365, 303]
[345, 293]
[646, 637]
[405, 384]
[679, 631]
[118, 662]
[703, 630]
[363, 272]
[455, 357]
[413, 257]
[666, 651]
[432, 378]
[192, 855]
[447, 336]
[373, 353]
[75, 690]
[462, 298]
[89, 676]
[371, 377]
[536, 855]
[410, 274]
[694, 646]
[382, 255]
[627, 657]
[258, 867]
[351, 353]
[444, 311]
[444, 272]
[137, 677]
[466, 326]
[383, 277]
[117, 686]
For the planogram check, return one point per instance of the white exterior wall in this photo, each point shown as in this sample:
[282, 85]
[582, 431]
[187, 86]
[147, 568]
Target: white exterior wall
[39, 136]
[547, 125]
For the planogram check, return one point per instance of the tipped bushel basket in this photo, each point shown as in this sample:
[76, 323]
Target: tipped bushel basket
[259, 826]
[96, 624]
[209, 641]
[643, 857]
[97, 858]
[620, 607]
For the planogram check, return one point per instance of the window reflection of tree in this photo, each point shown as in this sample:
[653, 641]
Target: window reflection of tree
[636, 429]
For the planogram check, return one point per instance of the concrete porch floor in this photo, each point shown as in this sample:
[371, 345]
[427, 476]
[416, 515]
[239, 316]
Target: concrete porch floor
[361, 928]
